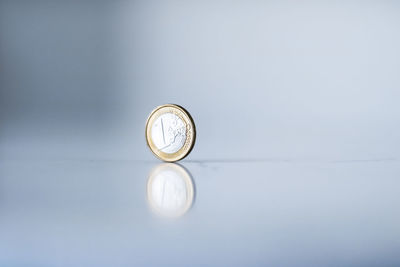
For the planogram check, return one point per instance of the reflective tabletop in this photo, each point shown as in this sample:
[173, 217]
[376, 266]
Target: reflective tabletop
[199, 213]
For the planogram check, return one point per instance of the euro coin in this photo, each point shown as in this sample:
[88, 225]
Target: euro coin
[170, 132]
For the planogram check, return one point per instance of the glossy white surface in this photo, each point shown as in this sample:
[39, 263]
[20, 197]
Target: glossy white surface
[246, 213]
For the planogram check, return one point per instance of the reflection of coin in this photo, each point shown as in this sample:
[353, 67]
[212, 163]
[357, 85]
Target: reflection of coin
[170, 190]
[170, 132]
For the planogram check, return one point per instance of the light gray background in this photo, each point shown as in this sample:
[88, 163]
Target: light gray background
[297, 111]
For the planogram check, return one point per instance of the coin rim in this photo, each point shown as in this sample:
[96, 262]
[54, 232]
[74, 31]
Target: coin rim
[182, 152]
[187, 177]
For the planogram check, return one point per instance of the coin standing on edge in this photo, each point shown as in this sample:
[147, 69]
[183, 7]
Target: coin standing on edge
[170, 132]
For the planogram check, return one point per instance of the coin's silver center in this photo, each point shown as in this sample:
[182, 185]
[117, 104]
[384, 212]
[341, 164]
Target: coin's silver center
[168, 133]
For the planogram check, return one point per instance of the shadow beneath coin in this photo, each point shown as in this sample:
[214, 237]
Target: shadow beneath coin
[170, 190]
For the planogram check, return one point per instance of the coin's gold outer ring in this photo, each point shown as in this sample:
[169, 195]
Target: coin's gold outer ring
[184, 115]
[190, 193]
